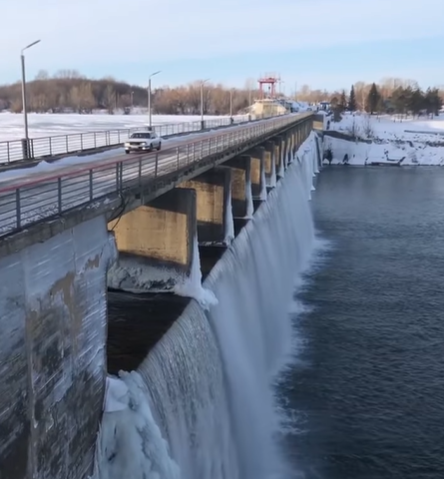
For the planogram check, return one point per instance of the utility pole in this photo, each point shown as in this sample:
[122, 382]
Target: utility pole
[202, 125]
[149, 98]
[26, 145]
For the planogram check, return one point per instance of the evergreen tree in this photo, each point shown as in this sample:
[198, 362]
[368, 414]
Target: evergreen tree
[416, 102]
[373, 99]
[343, 102]
[432, 101]
[352, 99]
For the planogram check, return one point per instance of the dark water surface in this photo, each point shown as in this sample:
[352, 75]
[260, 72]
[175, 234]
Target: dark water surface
[368, 387]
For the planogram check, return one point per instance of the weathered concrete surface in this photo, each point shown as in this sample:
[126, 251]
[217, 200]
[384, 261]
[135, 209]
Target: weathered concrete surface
[241, 197]
[155, 243]
[52, 353]
[257, 173]
[284, 152]
[213, 196]
[270, 164]
[278, 157]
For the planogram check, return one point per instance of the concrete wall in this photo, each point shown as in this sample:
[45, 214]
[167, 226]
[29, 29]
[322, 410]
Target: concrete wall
[213, 200]
[257, 173]
[52, 353]
[241, 196]
[270, 164]
[155, 243]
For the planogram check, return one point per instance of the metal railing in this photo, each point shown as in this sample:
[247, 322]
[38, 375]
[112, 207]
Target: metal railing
[16, 150]
[29, 200]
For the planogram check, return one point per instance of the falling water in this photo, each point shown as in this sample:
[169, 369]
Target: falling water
[208, 381]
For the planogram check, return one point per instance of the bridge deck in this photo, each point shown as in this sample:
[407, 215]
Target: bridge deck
[29, 199]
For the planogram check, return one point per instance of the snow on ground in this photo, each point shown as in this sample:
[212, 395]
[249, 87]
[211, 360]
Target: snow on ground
[46, 124]
[419, 141]
[387, 127]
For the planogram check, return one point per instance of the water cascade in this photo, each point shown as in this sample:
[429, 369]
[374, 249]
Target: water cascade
[207, 384]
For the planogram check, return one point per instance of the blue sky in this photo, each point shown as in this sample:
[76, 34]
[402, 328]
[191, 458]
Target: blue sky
[323, 43]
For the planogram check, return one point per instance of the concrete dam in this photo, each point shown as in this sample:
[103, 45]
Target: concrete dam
[146, 314]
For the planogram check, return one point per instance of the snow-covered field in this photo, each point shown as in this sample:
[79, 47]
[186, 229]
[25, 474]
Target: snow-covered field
[41, 125]
[418, 141]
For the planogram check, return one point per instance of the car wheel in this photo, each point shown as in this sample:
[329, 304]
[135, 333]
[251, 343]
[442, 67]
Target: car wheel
[127, 152]
[151, 147]
[159, 146]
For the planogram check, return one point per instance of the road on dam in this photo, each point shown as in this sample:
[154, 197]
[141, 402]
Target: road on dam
[44, 194]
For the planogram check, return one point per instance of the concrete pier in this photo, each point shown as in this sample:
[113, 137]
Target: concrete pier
[155, 243]
[278, 153]
[257, 176]
[270, 165]
[53, 316]
[241, 195]
[213, 205]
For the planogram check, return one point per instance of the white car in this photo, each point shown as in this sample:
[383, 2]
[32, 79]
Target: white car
[143, 141]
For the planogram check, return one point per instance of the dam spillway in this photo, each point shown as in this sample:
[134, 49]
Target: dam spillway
[200, 405]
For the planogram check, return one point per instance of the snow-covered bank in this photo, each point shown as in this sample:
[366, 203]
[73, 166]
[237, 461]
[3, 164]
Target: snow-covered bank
[387, 139]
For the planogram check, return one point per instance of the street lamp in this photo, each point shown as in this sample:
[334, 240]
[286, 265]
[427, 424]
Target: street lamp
[202, 102]
[149, 96]
[25, 109]
[231, 103]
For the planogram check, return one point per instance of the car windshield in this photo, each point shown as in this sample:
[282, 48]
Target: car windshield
[141, 135]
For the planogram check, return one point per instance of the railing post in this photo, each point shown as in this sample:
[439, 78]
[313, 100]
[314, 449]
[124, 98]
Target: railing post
[8, 154]
[156, 165]
[59, 194]
[67, 144]
[95, 140]
[117, 176]
[194, 151]
[177, 157]
[25, 149]
[140, 173]
[91, 186]
[18, 210]
[81, 141]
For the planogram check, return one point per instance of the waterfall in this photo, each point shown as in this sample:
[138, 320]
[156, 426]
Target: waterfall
[207, 383]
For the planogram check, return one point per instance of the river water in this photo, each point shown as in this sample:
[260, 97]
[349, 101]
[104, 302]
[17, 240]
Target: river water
[366, 393]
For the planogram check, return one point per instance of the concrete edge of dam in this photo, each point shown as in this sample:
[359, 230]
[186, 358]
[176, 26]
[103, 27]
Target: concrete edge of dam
[59, 323]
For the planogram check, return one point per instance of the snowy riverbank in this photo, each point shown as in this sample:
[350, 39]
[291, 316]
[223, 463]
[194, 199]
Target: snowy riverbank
[386, 139]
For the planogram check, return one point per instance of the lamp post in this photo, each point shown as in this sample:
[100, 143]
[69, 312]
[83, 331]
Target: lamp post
[149, 96]
[202, 103]
[25, 109]
[231, 105]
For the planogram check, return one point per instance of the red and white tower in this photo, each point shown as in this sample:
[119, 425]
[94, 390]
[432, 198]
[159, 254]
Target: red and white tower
[268, 80]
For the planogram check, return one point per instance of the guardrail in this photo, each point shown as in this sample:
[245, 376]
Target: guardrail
[28, 201]
[16, 150]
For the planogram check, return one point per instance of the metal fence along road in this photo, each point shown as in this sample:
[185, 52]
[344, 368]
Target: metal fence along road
[34, 197]
[62, 144]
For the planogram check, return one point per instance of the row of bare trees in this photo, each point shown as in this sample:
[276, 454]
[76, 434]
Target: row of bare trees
[70, 91]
